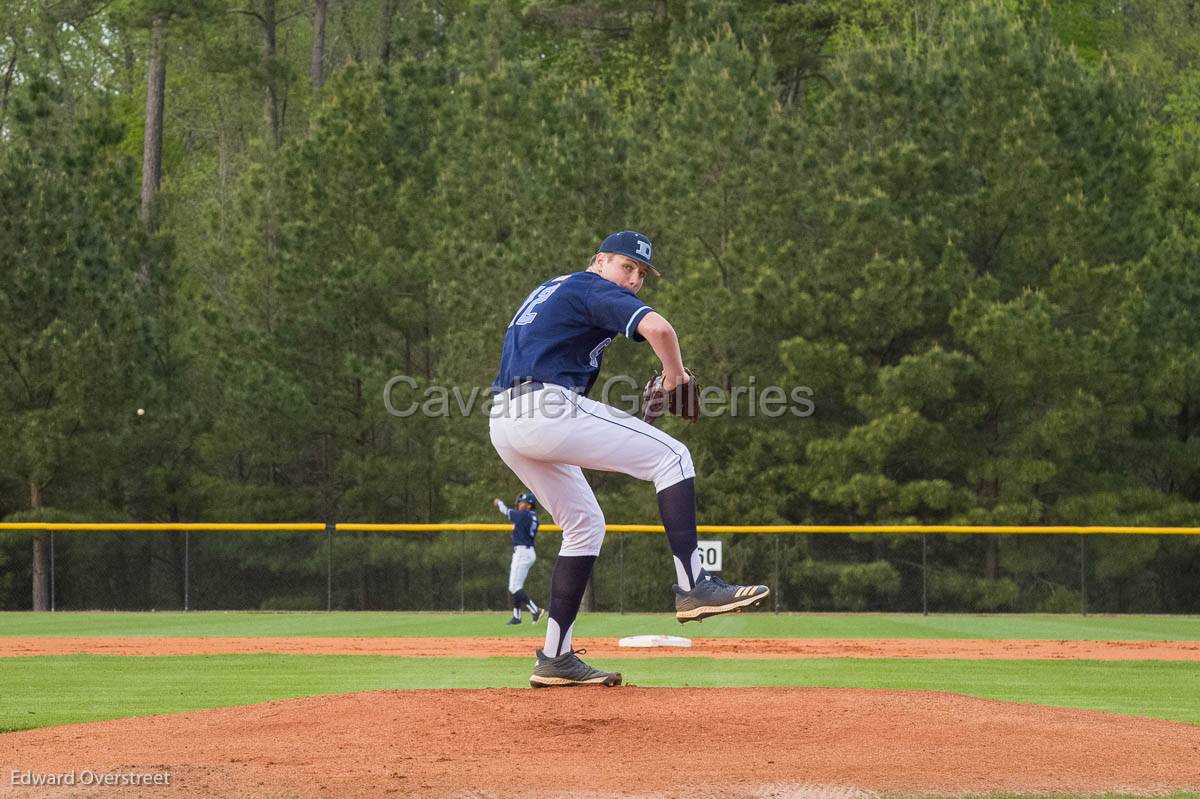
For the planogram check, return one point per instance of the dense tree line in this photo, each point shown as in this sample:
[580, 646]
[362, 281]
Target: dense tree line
[971, 231]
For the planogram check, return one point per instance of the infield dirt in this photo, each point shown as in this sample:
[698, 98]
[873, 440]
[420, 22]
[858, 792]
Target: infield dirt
[624, 742]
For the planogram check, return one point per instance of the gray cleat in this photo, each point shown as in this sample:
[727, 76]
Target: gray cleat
[537, 615]
[712, 596]
[568, 669]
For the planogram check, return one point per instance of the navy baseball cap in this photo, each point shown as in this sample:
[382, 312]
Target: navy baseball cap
[632, 245]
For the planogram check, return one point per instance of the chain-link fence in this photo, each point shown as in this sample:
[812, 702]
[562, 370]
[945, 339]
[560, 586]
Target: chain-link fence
[326, 568]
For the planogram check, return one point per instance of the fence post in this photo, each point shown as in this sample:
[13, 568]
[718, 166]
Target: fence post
[1082, 574]
[52, 570]
[620, 573]
[462, 572]
[776, 591]
[329, 528]
[187, 567]
[924, 575]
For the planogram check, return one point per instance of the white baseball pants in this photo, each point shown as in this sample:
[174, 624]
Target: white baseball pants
[522, 560]
[547, 437]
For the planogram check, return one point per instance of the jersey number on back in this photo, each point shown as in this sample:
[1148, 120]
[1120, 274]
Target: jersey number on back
[526, 314]
[597, 351]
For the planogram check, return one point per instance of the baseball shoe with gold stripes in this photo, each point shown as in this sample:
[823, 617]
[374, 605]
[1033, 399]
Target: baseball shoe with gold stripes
[713, 596]
[568, 669]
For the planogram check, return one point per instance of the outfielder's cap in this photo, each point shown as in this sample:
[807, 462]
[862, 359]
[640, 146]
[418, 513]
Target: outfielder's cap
[632, 245]
[527, 497]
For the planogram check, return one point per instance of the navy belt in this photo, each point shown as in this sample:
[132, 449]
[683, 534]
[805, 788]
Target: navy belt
[525, 388]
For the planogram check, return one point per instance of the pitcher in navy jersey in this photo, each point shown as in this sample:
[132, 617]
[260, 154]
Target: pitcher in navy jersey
[547, 431]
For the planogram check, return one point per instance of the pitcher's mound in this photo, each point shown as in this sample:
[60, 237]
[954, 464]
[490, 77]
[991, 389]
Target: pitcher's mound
[590, 742]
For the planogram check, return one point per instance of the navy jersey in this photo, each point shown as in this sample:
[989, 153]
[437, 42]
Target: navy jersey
[525, 524]
[560, 332]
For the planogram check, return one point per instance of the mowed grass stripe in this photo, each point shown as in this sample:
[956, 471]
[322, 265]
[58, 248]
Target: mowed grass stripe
[46, 691]
[1066, 796]
[474, 625]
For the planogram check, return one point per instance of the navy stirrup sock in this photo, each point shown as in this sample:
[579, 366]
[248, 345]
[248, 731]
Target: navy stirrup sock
[521, 599]
[571, 573]
[677, 507]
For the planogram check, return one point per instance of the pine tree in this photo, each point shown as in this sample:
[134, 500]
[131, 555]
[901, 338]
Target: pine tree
[69, 300]
[964, 298]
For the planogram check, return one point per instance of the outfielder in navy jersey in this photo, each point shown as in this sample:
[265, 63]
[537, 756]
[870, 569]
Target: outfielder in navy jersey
[547, 430]
[525, 526]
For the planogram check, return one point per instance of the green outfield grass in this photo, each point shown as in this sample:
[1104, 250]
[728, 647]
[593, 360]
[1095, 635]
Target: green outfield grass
[1075, 796]
[472, 625]
[43, 691]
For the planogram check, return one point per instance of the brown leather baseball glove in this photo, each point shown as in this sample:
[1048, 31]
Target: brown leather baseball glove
[683, 400]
